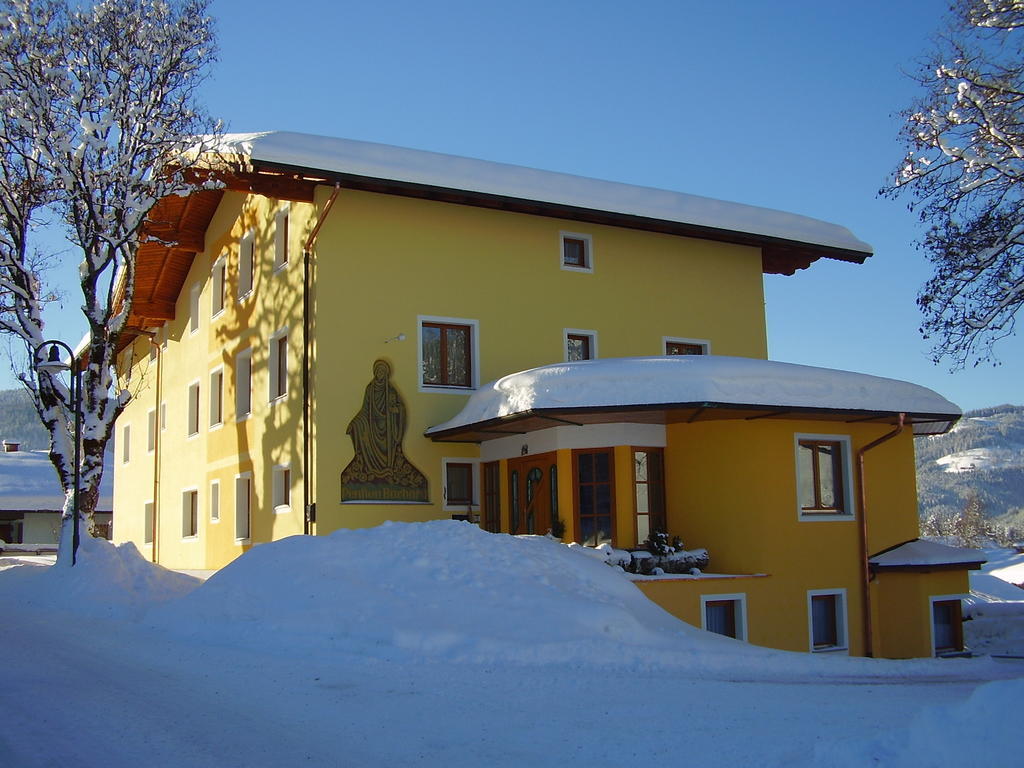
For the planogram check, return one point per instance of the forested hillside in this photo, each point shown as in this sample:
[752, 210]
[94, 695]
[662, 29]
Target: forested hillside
[19, 422]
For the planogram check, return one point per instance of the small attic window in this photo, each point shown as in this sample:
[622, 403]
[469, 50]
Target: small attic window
[576, 252]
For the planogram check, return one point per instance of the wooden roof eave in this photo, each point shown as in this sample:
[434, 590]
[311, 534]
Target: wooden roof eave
[779, 255]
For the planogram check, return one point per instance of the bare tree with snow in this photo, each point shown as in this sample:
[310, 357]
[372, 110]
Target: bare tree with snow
[964, 173]
[98, 122]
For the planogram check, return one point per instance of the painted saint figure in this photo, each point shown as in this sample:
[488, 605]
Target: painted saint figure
[379, 470]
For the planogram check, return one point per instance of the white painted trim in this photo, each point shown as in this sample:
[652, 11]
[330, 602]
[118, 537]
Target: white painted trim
[126, 443]
[276, 472]
[740, 598]
[588, 239]
[842, 621]
[245, 476]
[445, 506]
[194, 321]
[474, 326]
[247, 241]
[214, 484]
[190, 489]
[246, 354]
[592, 335]
[219, 267]
[665, 340]
[272, 365]
[199, 409]
[284, 212]
[585, 436]
[932, 599]
[147, 521]
[213, 372]
[152, 427]
[848, 502]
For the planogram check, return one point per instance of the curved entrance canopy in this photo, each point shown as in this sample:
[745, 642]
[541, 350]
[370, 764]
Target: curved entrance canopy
[687, 388]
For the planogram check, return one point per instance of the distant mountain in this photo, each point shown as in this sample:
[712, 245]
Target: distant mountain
[19, 421]
[982, 455]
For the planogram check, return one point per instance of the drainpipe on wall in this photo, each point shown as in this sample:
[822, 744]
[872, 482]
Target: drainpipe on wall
[308, 508]
[156, 442]
[865, 568]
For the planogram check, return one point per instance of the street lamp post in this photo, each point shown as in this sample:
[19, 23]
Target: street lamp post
[54, 364]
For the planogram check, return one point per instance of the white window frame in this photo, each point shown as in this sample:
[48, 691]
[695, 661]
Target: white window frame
[567, 332]
[246, 266]
[193, 309]
[475, 506]
[474, 374]
[216, 397]
[186, 493]
[282, 255]
[163, 416]
[218, 284]
[151, 428]
[588, 251]
[246, 355]
[275, 392]
[740, 600]
[848, 499]
[147, 522]
[278, 487]
[666, 340]
[842, 621]
[246, 476]
[932, 600]
[126, 443]
[197, 421]
[214, 501]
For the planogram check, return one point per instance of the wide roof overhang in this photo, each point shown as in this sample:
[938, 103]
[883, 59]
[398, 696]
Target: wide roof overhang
[689, 389]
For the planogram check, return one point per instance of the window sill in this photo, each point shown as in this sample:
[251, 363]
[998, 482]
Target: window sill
[466, 509]
[246, 417]
[282, 509]
[194, 537]
[217, 314]
[446, 389]
[279, 268]
[571, 268]
[214, 521]
[277, 399]
[810, 517]
[215, 427]
[241, 542]
[838, 649]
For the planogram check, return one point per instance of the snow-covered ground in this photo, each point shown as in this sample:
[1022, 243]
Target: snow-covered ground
[982, 458]
[440, 644]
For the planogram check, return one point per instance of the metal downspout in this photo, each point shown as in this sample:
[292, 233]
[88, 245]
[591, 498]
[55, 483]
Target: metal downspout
[308, 515]
[156, 443]
[869, 649]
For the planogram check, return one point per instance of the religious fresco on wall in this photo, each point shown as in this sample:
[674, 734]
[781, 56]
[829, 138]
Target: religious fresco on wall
[379, 471]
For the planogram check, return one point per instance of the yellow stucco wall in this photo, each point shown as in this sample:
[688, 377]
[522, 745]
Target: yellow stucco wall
[902, 609]
[381, 262]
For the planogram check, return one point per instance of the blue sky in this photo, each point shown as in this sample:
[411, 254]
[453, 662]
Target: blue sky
[790, 105]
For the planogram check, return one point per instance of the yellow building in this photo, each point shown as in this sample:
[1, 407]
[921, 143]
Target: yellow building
[349, 333]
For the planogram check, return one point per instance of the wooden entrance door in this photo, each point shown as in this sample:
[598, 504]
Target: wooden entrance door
[530, 492]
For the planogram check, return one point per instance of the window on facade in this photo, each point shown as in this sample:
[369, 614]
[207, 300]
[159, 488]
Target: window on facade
[828, 621]
[216, 397]
[723, 615]
[458, 484]
[947, 626]
[649, 487]
[580, 345]
[576, 252]
[685, 348]
[447, 351]
[193, 409]
[820, 477]
[281, 238]
[282, 488]
[190, 513]
[126, 443]
[491, 497]
[147, 523]
[151, 430]
[218, 279]
[163, 416]
[246, 265]
[243, 506]
[215, 501]
[279, 365]
[243, 384]
[595, 496]
[193, 309]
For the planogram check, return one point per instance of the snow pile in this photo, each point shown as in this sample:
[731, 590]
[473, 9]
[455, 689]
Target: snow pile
[442, 588]
[381, 161]
[696, 379]
[984, 728]
[108, 579]
[1007, 457]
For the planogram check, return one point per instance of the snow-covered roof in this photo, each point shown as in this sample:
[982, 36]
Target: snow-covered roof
[679, 381]
[441, 171]
[921, 553]
[28, 482]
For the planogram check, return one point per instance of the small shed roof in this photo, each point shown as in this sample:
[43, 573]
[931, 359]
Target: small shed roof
[684, 387]
[921, 554]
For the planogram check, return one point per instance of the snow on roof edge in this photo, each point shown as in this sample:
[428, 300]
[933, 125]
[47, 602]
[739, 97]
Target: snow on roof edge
[435, 169]
[670, 380]
[921, 553]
